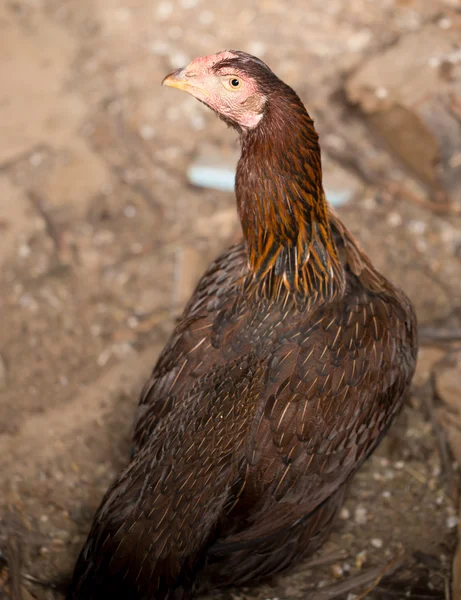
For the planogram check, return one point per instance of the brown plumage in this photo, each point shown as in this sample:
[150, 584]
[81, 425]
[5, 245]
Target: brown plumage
[286, 369]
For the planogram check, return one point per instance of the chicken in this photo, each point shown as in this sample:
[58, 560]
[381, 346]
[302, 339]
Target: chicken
[288, 365]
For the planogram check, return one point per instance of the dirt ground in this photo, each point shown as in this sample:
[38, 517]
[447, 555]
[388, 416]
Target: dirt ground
[102, 239]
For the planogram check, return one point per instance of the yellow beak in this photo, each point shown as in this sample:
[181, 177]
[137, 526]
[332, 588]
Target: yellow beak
[184, 81]
[177, 79]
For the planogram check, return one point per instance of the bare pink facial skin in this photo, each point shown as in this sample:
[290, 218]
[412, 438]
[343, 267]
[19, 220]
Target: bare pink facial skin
[242, 104]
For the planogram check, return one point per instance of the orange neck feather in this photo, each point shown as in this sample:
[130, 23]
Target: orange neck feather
[282, 206]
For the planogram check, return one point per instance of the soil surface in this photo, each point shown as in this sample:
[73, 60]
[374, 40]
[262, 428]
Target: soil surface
[102, 240]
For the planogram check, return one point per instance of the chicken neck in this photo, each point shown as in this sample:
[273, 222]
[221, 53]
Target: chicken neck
[282, 205]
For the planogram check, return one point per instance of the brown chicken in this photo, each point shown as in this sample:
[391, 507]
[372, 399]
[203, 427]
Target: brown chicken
[287, 367]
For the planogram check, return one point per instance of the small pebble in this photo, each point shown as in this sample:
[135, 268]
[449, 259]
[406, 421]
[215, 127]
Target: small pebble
[147, 132]
[347, 567]
[337, 571]
[360, 40]
[360, 515]
[377, 543]
[257, 48]
[24, 250]
[394, 219]
[381, 93]
[159, 47]
[386, 494]
[417, 227]
[130, 211]
[434, 62]
[445, 23]
[57, 542]
[451, 522]
[27, 301]
[360, 559]
[164, 10]
[36, 159]
[132, 322]
[178, 60]
[344, 513]
[104, 357]
[321, 584]
[399, 465]
[198, 122]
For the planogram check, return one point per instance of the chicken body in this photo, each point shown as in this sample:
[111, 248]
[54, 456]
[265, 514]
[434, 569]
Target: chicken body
[263, 404]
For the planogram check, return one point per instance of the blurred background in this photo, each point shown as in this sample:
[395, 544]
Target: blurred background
[114, 196]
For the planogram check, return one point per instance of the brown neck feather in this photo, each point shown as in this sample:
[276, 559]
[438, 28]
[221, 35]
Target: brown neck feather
[282, 206]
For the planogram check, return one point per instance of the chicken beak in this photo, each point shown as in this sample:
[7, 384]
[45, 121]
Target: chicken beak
[183, 80]
[177, 79]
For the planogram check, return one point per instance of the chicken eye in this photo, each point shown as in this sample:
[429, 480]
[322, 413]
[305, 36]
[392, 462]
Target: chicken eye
[234, 83]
